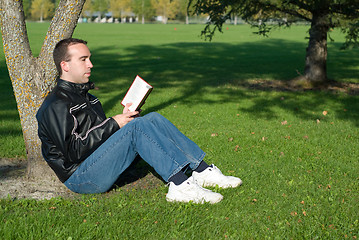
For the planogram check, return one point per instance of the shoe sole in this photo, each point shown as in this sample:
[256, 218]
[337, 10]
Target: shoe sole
[223, 186]
[197, 202]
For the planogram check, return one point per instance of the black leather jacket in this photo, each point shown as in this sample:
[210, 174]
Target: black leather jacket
[71, 125]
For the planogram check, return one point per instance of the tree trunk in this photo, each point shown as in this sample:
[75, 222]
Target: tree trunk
[316, 57]
[32, 78]
[142, 11]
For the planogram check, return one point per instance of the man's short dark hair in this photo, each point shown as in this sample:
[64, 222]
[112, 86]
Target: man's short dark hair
[61, 51]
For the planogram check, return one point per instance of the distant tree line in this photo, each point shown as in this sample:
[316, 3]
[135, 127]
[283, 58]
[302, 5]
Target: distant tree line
[118, 10]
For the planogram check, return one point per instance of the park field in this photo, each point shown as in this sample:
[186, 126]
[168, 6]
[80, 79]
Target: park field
[296, 151]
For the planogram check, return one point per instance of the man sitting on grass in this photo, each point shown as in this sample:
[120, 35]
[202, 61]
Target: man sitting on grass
[88, 152]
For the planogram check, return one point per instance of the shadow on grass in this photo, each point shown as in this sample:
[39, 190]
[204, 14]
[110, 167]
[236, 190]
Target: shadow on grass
[197, 69]
[8, 108]
[139, 173]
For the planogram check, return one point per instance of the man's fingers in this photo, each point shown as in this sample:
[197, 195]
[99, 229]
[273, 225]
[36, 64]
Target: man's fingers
[130, 114]
[127, 106]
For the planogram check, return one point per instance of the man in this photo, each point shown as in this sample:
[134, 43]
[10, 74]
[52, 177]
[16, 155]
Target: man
[88, 151]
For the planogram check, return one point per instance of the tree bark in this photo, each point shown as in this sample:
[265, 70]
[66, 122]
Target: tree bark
[315, 70]
[33, 77]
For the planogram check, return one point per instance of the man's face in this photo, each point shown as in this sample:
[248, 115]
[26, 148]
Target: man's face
[78, 69]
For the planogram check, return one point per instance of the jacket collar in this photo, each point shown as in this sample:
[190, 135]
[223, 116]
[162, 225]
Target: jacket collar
[81, 88]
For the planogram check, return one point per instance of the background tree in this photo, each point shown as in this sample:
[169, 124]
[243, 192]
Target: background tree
[143, 9]
[42, 9]
[100, 6]
[87, 9]
[27, 8]
[166, 9]
[323, 15]
[183, 10]
[33, 77]
[120, 7]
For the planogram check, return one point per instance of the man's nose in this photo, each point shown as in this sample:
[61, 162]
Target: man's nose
[89, 64]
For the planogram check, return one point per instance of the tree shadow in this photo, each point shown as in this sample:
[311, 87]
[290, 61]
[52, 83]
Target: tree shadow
[197, 69]
[12, 169]
[136, 172]
[8, 107]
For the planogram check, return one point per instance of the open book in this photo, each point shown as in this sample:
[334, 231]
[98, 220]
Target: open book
[137, 94]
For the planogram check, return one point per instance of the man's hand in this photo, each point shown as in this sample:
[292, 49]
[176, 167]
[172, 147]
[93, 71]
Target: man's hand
[126, 117]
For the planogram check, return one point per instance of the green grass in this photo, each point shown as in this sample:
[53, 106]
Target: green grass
[299, 166]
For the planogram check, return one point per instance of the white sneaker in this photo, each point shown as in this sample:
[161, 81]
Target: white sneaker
[212, 176]
[189, 190]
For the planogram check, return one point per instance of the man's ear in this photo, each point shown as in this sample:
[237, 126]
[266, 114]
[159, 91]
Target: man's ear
[64, 66]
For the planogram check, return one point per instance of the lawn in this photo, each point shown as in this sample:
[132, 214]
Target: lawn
[296, 152]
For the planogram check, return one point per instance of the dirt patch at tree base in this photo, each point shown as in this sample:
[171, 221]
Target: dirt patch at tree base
[14, 184]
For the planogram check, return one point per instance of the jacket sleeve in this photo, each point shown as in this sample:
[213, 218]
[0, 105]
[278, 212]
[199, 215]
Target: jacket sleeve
[62, 127]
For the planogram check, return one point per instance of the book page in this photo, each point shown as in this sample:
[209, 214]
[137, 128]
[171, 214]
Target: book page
[136, 94]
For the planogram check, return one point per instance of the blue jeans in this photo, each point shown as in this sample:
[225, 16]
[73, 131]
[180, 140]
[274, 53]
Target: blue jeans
[153, 137]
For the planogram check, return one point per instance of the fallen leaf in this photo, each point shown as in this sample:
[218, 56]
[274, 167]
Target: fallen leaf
[237, 147]
[214, 134]
[230, 139]
[293, 213]
[302, 202]
[284, 122]
[325, 113]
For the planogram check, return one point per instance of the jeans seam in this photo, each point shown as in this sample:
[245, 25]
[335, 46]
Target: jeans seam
[84, 183]
[188, 156]
[159, 146]
[103, 153]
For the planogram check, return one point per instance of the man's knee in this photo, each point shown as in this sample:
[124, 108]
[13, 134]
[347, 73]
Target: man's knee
[153, 115]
